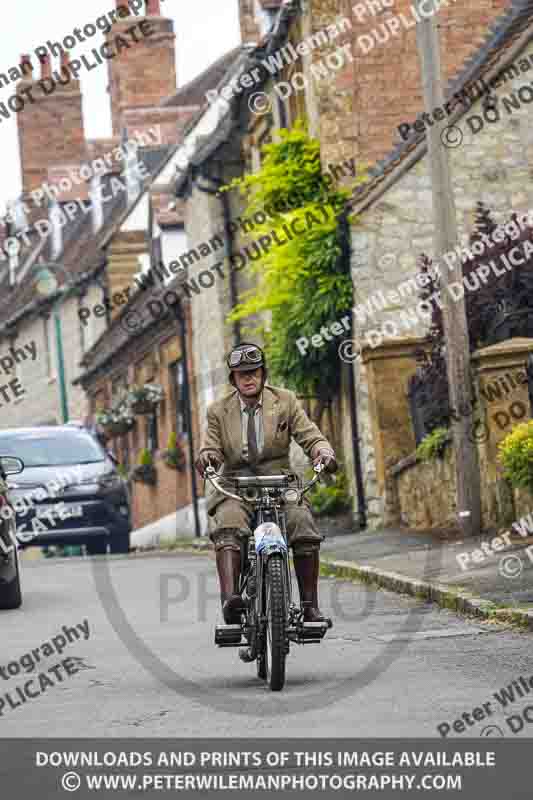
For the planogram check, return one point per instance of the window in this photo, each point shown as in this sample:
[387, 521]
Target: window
[119, 387]
[86, 329]
[177, 383]
[152, 432]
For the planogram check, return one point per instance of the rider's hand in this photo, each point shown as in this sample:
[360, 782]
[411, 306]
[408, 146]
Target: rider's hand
[326, 457]
[207, 459]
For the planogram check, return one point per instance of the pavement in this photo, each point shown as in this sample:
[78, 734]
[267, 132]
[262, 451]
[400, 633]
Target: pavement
[147, 666]
[426, 565]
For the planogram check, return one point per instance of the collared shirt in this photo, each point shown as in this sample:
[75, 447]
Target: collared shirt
[259, 432]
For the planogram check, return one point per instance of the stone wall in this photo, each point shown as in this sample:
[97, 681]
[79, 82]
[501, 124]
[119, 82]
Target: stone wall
[424, 493]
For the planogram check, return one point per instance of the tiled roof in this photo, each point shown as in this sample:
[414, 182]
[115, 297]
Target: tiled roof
[82, 250]
[194, 92]
[503, 33]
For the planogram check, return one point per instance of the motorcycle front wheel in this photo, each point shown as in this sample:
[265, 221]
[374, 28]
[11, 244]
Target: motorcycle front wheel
[271, 663]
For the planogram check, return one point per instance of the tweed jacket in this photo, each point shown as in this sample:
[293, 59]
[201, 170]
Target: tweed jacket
[283, 419]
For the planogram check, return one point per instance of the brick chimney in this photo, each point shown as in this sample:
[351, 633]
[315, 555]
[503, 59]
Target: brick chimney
[50, 130]
[143, 75]
[253, 17]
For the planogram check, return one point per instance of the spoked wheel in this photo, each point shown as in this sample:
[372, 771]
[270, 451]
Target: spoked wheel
[272, 662]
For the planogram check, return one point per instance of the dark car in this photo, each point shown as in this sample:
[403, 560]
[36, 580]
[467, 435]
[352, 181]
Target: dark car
[71, 491]
[10, 592]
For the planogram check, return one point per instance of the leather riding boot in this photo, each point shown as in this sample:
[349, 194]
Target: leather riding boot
[307, 568]
[228, 567]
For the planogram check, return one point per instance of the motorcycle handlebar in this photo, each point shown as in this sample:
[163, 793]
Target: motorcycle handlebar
[210, 474]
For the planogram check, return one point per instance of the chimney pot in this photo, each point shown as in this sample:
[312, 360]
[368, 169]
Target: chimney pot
[25, 64]
[123, 3]
[65, 58]
[46, 67]
[153, 8]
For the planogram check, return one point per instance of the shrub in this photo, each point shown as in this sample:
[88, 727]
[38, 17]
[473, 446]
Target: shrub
[305, 283]
[333, 499]
[516, 456]
[432, 446]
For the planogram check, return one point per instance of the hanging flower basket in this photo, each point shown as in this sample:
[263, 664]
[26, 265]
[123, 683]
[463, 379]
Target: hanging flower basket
[144, 399]
[119, 428]
[145, 473]
[116, 421]
[142, 407]
[174, 456]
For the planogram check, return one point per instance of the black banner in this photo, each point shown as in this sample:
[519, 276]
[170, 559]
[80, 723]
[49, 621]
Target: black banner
[488, 768]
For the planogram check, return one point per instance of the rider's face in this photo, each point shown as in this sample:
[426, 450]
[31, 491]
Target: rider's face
[249, 383]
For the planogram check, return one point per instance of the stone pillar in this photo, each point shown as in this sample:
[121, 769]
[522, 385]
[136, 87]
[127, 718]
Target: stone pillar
[388, 369]
[503, 402]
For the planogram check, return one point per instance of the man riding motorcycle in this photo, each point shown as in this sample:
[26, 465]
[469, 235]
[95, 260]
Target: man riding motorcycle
[249, 433]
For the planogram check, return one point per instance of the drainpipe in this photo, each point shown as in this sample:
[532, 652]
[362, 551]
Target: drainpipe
[179, 313]
[354, 423]
[60, 362]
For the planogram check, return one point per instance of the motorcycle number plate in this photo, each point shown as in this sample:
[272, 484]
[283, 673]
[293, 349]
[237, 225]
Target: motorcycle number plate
[267, 534]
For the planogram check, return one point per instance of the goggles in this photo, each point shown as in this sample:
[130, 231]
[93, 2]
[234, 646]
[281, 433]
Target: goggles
[247, 355]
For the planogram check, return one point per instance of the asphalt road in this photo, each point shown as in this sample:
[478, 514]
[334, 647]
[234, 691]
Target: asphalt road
[391, 666]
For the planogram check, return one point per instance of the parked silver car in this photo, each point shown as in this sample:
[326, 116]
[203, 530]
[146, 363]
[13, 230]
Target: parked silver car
[10, 591]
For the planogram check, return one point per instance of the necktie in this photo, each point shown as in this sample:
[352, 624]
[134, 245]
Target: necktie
[253, 455]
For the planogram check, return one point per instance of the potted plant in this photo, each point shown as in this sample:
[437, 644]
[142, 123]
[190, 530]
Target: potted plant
[145, 472]
[516, 456]
[143, 399]
[173, 456]
[116, 421]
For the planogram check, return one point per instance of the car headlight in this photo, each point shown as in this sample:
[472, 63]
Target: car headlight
[110, 480]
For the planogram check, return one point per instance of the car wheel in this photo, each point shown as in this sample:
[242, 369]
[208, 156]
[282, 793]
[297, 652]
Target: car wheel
[97, 547]
[120, 543]
[11, 595]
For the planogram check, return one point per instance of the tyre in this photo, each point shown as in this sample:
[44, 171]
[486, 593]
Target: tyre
[97, 547]
[120, 543]
[10, 594]
[276, 621]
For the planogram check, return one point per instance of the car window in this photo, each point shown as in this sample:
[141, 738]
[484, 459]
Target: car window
[49, 449]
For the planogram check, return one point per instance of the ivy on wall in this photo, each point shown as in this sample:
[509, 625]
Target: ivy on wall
[305, 284]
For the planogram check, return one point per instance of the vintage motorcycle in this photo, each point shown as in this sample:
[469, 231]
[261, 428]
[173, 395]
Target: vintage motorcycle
[271, 619]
